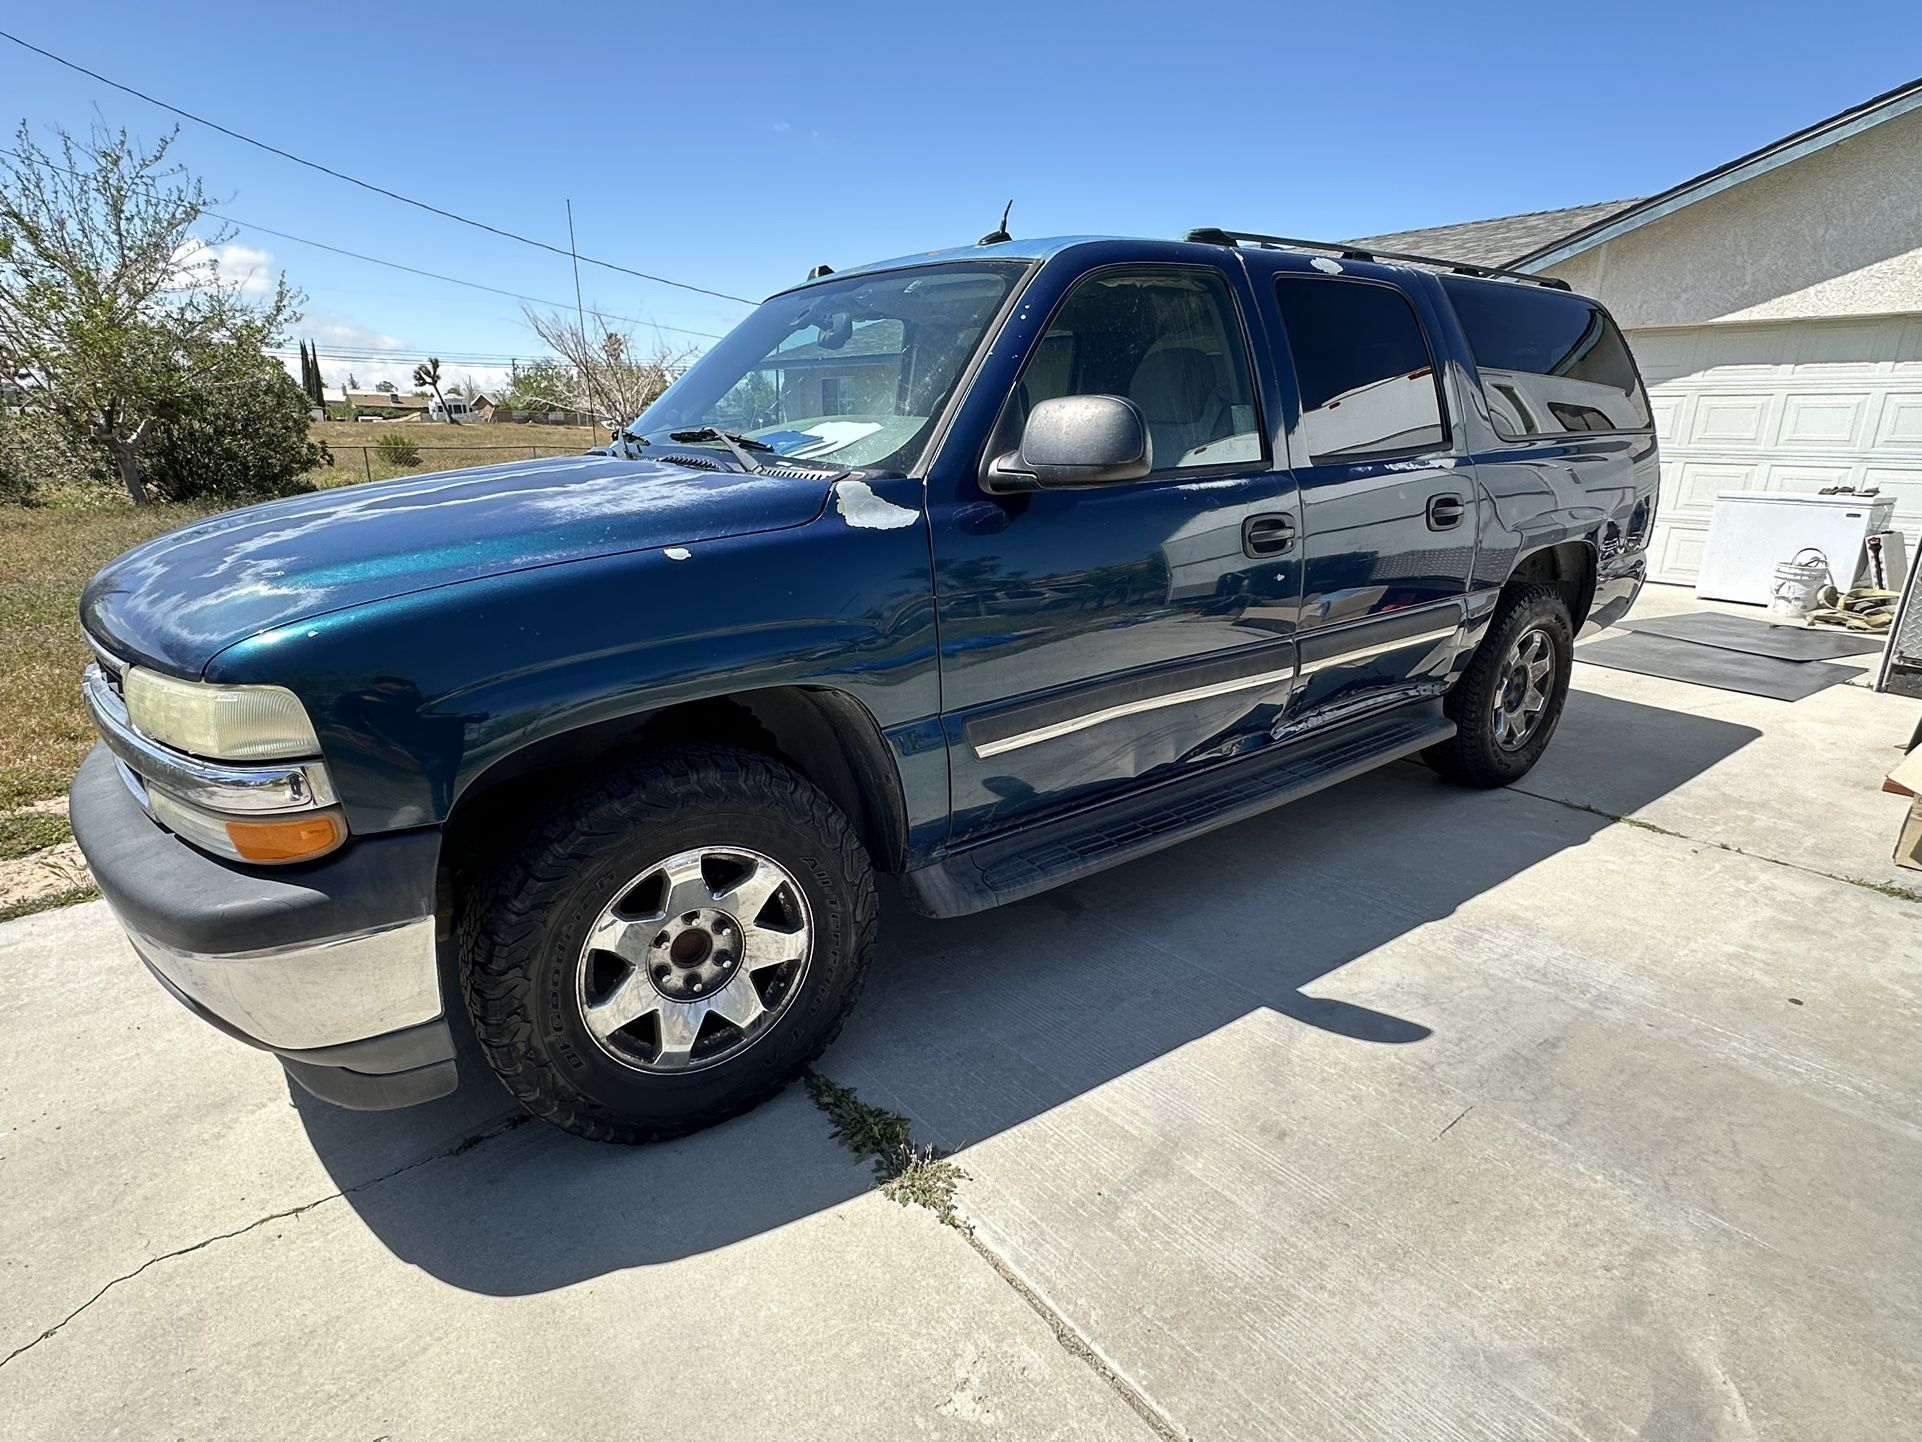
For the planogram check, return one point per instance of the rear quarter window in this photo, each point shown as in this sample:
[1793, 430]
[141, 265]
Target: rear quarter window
[1368, 383]
[1551, 363]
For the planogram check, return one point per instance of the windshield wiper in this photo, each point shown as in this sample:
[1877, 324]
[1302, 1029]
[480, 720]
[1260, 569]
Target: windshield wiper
[738, 444]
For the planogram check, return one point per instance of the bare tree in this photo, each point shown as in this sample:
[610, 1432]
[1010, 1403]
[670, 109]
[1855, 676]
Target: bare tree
[605, 373]
[111, 306]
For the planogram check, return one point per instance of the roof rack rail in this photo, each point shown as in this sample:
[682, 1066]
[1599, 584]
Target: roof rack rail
[1210, 235]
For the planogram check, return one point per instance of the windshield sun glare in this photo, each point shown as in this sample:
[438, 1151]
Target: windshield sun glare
[851, 372]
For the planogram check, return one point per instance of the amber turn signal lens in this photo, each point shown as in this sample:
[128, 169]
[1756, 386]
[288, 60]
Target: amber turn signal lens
[287, 839]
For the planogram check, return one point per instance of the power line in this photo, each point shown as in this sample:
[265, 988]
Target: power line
[356, 180]
[394, 264]
[376, 353]
[449, 279]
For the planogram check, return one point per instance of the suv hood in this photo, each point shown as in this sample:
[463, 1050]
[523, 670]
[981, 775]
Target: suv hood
[180, 599]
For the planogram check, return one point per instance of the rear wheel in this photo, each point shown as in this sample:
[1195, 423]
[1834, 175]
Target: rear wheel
[676, 944]
[1506, 705]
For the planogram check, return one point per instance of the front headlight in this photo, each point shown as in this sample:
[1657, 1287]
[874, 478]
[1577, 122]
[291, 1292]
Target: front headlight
[223, 723]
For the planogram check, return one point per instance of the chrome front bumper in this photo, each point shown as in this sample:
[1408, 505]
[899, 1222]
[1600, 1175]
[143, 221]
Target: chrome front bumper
[319, 993]
[333, 965]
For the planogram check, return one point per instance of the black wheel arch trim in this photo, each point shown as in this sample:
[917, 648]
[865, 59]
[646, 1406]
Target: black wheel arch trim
[827, 735]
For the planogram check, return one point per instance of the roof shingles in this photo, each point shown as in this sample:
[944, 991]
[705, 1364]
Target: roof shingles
[1497, 241]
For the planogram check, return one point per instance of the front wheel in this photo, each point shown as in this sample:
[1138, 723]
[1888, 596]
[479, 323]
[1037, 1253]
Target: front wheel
[674, 945]
[1507, 703]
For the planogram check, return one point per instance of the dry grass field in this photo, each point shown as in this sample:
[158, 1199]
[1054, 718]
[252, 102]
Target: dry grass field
[357, 455]
[47, 556]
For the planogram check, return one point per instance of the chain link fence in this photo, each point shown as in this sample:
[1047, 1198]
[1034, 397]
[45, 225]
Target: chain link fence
[375, 463]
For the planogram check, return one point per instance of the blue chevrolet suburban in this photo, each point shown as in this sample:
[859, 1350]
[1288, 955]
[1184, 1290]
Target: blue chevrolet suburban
[983, 569]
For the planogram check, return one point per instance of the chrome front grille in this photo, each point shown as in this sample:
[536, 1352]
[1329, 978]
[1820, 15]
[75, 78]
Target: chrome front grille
[111, 666]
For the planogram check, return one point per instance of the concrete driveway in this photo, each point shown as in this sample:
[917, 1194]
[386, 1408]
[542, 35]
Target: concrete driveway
[1407, 1112]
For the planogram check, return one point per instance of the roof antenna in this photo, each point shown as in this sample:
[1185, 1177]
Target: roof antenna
[999, 233]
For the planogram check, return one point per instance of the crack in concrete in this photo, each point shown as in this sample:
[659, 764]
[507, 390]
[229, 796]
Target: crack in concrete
[465, 1144]
[875, 1133]
[1071, 1340]
[1881, 888]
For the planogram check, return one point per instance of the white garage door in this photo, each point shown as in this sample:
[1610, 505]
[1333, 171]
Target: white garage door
[1783, 406]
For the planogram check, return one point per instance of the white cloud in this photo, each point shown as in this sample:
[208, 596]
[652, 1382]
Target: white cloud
[250, 269]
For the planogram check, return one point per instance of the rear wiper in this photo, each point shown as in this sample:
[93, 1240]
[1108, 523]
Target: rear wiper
[738, 444]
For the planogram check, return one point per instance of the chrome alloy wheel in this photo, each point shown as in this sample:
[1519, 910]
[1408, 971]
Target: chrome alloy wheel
[694, 959]
[1522, 689]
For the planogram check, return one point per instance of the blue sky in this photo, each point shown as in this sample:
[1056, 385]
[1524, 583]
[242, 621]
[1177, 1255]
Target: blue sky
[733, 146]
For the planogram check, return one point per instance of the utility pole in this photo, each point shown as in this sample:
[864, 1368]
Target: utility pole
[580, 319]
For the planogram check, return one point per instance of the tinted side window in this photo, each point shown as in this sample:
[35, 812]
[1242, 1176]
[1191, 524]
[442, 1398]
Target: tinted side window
[1550, 362]
[1368, 383]
[1170, 342]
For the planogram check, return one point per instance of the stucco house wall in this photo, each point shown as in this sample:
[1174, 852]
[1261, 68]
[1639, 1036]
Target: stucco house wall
[1833, 234]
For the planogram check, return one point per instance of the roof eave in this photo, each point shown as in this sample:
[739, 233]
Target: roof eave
[1820, 136]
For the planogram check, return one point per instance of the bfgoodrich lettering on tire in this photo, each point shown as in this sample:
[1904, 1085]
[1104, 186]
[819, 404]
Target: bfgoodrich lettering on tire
[676, 943]
[1507, 703]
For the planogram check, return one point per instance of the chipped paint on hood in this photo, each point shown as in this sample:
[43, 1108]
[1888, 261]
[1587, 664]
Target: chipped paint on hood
[867, 511]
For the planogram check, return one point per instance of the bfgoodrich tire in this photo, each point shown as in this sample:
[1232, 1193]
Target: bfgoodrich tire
[1507, 703]
[675, 944]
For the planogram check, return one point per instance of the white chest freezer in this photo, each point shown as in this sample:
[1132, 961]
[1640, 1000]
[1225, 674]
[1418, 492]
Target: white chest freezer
[1749, 532]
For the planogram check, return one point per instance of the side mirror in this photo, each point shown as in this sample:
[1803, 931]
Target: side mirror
[1076, 441]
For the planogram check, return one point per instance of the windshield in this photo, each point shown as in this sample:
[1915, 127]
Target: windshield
[849, 371]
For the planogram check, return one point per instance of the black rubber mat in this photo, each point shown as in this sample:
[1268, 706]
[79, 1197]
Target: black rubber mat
[1758, 638]
[1714, 666]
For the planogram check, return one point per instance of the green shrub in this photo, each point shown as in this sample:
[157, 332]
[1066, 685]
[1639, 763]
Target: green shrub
[42, 462]
[241, 442]
[397, 451]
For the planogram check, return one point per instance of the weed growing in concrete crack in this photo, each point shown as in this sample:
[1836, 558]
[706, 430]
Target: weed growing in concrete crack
[910, 1175]
[1634, 821]
[924, 1179]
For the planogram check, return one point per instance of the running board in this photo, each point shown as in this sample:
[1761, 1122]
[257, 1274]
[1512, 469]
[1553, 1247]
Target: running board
[1009, 868]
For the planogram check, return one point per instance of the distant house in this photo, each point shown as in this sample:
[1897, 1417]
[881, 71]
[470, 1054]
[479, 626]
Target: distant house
[460, 408]
[387, 403]
[554, 415]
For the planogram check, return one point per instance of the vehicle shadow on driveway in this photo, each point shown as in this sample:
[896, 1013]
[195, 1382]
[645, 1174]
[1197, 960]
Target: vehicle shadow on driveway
[976, 1025]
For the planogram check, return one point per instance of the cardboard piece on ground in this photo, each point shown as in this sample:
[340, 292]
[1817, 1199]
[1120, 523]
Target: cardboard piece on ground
[1908, 846]
[1906, 778]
